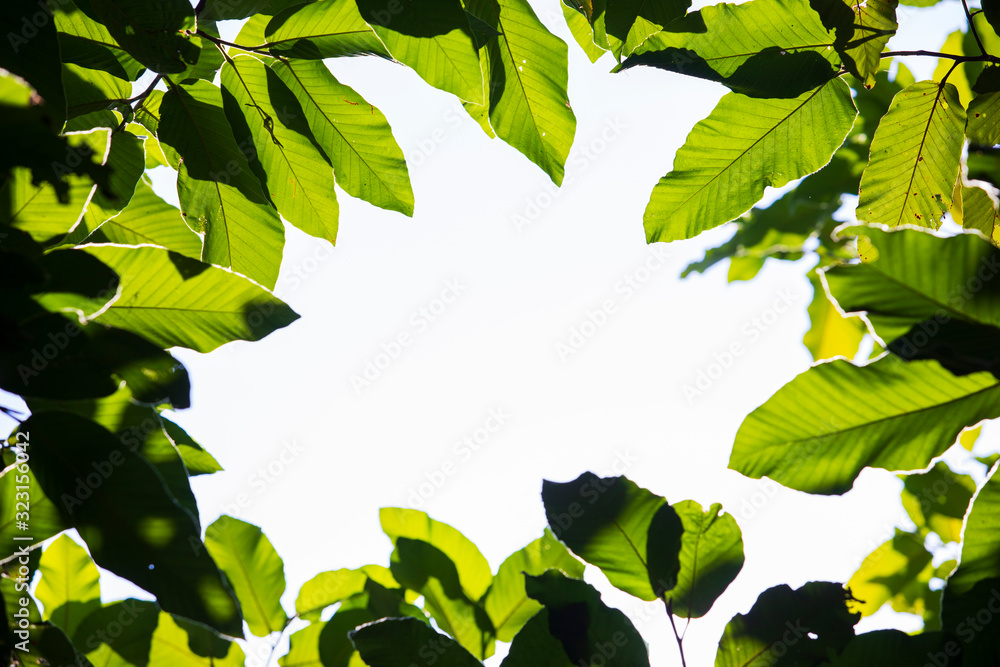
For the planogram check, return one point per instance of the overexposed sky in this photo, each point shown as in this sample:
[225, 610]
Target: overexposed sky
[310, 457]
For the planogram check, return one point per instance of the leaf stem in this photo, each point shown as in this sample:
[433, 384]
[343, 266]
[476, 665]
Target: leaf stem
[673, 626]
[256, 49]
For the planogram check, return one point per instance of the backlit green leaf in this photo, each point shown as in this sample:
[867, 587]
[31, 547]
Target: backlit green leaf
[255, 572]
[633, 535]
[805, 627]
[175, 300]
[744, 146]
[527, 79]
[218, 191]
[152, 32]
[434, 38]
[507, 601]
[973, 587]
[299, 178]
[355, 135]
[327, 29]
[762, 48]
[711, 557]
[890, 414]
[130, 522]
[914, 158]
[70, 586]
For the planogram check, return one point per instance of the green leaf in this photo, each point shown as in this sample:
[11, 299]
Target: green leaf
[85, 42]
[70, 587]
[55, 357]
[90, 90]
[126, 159]
[196, 459]
[218, 191]
[983, 125]
[34, 58]
[434, 38]
[132, 622]
[429, 571]
[897, 572]
[473, 570]
[744, 146]
[806, 442]
[973, 586]
[582, 32]
[959, 77]
[938, 499]
[895, 290]
[527, 79]
[534, 646]
[205, 306]
[763, 48]
[400, 642]
[39, 209]
[333, 645]
[807, 626]
[152, 33]
[132, 525]
[582, 623]
[299, 177]
[209, 60]
[631, 20]
[149, 220]
[992, 13]
[914, 158]
[254, 569]
[179, 642]
[76, 283]
[328, 588]
[633, 535]
[507, 601]
[979, 210]
[49, 645]
[328, 29]
[830, 334]
[355, 135]
[890, 647]
[874, 22]
[303, 648]
[140, 428]
[711, 557]
[45, 520]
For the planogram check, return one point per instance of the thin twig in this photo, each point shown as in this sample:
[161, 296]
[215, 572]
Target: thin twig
[680, 640]
[949, 56]
[972, 26]
[144, 94]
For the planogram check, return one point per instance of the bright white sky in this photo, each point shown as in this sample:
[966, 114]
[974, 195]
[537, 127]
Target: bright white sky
[614, 407]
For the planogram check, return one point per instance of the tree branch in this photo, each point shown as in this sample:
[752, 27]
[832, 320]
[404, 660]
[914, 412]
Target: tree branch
[972, 26]
[219, 42]
[950, 56]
